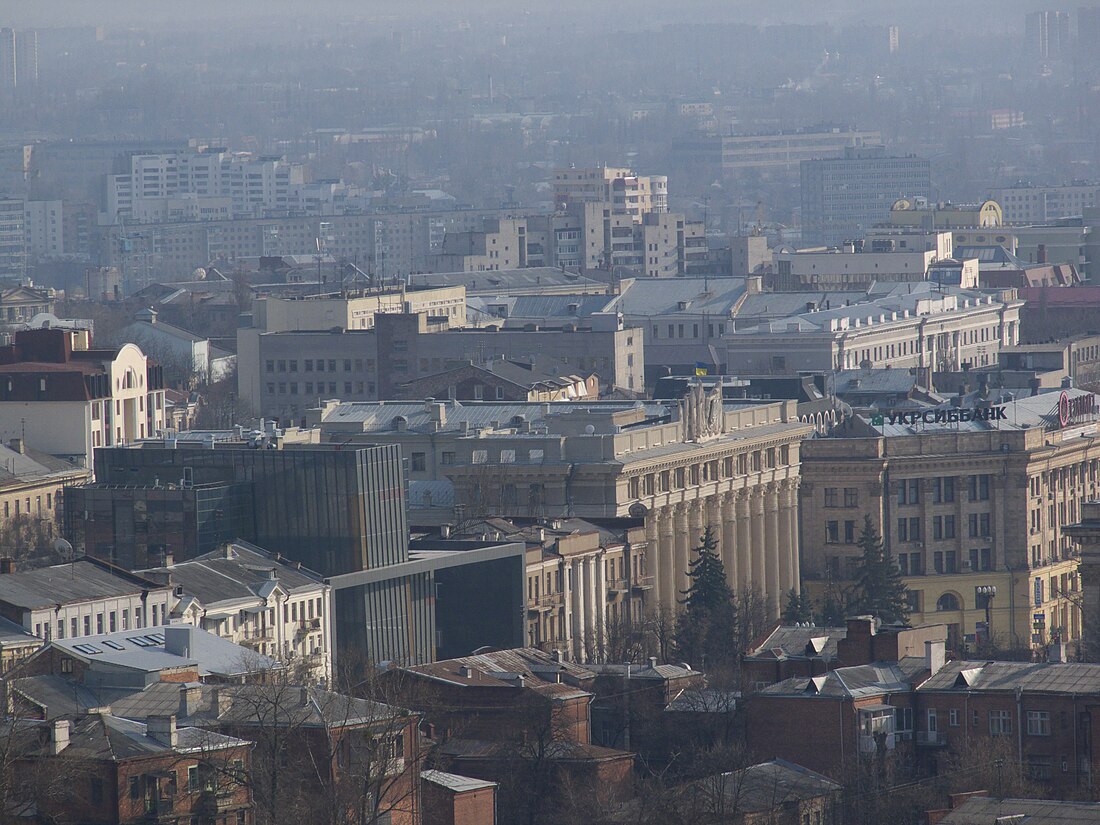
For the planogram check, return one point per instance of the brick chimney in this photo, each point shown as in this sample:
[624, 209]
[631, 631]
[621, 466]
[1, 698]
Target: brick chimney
[190, 699]
[59, 736]
[163, 730]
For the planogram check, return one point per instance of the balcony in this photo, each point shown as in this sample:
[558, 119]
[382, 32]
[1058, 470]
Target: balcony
[159, 810]
[213, 803]
[617, 586]
[643, 583]
[931, 739]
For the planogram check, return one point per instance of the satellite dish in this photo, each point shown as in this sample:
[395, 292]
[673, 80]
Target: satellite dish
[199, 274]
[64, 549]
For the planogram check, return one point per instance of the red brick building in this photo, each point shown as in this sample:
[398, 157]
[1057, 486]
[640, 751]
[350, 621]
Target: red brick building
[106, 770]
[450, 799]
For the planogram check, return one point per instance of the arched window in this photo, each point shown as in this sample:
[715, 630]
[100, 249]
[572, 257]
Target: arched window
[948, 601]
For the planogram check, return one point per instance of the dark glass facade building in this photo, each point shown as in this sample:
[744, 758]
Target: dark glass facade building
[339, 510]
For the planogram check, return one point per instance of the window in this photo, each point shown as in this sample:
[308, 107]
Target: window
[953, 718]
[417, 462]
[849, 532]
[831, 497]
[447, 458]
[832, 532]
[948, 601]
[909, 491]
[851, 497]
[1040, 767]
[1038, 723]
[943, 490]
[979, 488]
[1000, 723]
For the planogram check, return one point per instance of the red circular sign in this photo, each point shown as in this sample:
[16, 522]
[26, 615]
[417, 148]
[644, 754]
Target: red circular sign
[1063, 408]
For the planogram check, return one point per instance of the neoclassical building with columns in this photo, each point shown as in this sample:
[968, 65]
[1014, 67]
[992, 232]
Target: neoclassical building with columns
[671, 468]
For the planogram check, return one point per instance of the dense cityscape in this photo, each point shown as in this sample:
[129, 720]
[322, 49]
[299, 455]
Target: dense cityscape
[476, 413]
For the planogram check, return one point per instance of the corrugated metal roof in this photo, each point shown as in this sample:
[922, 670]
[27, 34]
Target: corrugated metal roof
[78, 581]
[982, 810]
[454, 782]
[1039, 677]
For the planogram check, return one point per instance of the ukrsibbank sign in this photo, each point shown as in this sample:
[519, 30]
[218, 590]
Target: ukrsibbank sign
[950, 415]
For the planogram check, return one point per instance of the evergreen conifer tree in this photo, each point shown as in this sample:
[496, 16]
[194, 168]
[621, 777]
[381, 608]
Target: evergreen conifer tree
[880, 590]
[797, 609]
[707, 625]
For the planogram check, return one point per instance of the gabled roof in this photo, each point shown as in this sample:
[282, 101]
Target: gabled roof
[774, 784]
[1039, 677]
[858, 682]
[105, 737]
[984, 810]
[239, 570]
[506, 668]
[793, 642]
[83, 580]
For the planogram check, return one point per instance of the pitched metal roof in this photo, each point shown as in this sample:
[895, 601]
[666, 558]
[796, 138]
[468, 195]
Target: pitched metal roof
[984, 810]
[1037, 677]
[790, 641]
[79, 581]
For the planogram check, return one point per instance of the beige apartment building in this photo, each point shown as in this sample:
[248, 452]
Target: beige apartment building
[628, 193]
[962, 505]
[672, 467]
[923, 327]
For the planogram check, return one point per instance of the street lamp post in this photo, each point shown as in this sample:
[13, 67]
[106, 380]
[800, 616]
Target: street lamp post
[987, 592]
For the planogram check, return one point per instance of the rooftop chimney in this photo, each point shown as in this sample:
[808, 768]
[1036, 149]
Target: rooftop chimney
[7, 565]
[59, 736]
[19, 446]
[190, 699]
[445, 531]
[220, 701]
[652, 662]
[555, 656]
[179, 639]
[163, 729]
[934, 655]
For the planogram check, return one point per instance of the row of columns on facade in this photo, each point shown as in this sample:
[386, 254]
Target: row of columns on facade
[757, 534]
[585, 585]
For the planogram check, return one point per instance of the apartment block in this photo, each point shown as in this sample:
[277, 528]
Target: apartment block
[843, 197]
[974, 512]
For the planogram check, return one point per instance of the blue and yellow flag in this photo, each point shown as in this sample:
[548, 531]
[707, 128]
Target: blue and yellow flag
[701, 368]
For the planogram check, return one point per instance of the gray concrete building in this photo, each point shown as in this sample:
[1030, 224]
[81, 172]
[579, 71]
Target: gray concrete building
[673, 467]
[842, 197]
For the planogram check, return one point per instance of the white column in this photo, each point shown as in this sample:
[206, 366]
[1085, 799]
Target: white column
[728, 521]
[589, 604]
[665, 561]
[758, 580]
[744, 542]
[578, 611]
[773, 551]
[601, 602]
[680, 528]
[790, 512]
[567, 603]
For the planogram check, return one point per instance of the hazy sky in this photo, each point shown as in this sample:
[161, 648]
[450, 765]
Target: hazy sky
[191, 13]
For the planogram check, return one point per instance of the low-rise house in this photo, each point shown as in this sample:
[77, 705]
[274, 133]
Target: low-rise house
[177, 347]
[777, 791]
[137, 658]
[256, 599]
[16, 645]
[107, 769]
[983, 809]
[31, 484]
[84, 597]
[450, 799]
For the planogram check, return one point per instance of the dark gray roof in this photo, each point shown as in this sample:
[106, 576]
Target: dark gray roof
[144, 650]
[773, 784]
[649, 297]
[13, 635]
[788, 641]
[860, 681]
[1039, 677]
[454, 782]
[984, 810]
[104, 737]
[83, 580]
[865, 382]
[504, 280]
[239, 570]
